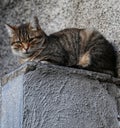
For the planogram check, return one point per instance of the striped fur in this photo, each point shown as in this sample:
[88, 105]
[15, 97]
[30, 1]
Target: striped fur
[81, 48]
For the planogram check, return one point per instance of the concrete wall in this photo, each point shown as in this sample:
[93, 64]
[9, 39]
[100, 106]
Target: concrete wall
[12, 104]
[12, 98]
[54, 15]
[48, 96]
[0, 101]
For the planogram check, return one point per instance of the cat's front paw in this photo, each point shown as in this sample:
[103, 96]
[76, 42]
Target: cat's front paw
[44, 62]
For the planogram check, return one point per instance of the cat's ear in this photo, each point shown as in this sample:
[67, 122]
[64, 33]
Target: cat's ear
[11, 29]
[36, 21]
[29, 25]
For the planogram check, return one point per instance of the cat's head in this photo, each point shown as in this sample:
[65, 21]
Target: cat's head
[25, 39]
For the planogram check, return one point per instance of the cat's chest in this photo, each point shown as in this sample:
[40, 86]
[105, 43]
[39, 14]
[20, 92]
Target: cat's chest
[35, 59]
[23, 60]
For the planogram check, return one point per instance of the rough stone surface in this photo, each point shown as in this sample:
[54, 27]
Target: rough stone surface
[58, 97]
[55, 15]
[12, 97]
[0, 102]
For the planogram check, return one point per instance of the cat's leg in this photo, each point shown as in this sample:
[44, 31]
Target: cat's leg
[44, 62]
[85, 60]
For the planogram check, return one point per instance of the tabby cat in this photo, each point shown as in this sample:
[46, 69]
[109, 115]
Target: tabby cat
[80, 48]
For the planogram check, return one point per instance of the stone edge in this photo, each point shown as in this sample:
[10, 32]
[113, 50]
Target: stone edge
[30, 66]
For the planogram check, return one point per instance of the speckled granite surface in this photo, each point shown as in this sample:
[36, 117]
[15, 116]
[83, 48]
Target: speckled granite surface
[55, 15]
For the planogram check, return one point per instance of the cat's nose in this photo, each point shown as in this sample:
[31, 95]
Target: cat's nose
[26, 46]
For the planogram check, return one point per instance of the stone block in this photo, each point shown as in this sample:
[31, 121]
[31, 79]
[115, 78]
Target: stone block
[48, 96]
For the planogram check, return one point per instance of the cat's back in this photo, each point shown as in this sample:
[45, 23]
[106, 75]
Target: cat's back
[66, 37]
[67, 31]
[84, 34]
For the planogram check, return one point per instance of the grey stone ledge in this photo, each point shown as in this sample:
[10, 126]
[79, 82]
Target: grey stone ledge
[40, 95]
[30, 66]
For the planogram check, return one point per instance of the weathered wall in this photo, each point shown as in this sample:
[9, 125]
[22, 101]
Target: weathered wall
[48, 96]
[104, 15]
[0, 102]
[12, 96]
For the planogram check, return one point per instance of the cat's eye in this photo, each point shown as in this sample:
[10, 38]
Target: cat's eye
[30, 39]
[17, 41]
